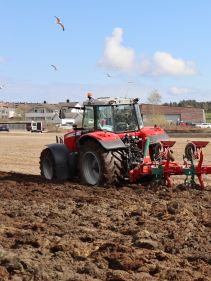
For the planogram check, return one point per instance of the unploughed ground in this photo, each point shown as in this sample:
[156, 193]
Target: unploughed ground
[67, 231]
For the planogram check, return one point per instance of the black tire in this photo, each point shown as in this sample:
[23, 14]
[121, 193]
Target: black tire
[47, 165]
[158, 148]
[98, 166]
[189, 151]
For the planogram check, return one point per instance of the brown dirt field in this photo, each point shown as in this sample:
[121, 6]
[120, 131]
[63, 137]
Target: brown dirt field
[20, 151]
[67, 231]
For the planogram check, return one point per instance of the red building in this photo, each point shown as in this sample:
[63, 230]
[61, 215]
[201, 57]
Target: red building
[174, 113]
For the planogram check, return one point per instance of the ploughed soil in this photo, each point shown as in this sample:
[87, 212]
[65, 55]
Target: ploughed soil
[67, 231]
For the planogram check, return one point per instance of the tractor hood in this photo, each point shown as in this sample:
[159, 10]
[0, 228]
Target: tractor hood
[155, 134]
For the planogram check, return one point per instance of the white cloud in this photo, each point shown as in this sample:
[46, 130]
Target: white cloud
[180, 90]
[166, 64]
[116, 56]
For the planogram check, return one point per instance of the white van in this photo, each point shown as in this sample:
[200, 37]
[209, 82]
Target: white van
[36, 127]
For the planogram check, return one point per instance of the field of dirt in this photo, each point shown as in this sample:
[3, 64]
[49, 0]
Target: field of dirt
[67, 231]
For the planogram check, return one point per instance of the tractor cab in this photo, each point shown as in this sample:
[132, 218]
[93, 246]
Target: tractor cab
[115, 115]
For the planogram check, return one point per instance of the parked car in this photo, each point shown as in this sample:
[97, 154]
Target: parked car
[203, 125]
[183, 124]
[4, 127]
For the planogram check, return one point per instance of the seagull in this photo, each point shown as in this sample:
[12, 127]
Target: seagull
[58, 21]
[2, 86]
[108, 75]
[55, 68]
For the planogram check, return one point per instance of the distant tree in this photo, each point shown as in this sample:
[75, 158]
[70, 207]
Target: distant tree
[174, 103]
[21, 109]
[205, 106]
[154, 97]
[187, 103]
[192, 103]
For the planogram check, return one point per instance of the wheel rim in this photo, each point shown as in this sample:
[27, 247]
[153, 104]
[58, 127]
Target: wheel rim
[48, 168]
[91, 168]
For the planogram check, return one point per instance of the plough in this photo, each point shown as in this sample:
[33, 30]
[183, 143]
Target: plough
[164, 166]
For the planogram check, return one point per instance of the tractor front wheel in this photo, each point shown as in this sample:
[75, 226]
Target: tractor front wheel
[98, 166]
[47, 165]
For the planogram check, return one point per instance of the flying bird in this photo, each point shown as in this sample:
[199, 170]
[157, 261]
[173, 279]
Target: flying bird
[54, 67]
[108, 75]
[2, 86]
[58, 21]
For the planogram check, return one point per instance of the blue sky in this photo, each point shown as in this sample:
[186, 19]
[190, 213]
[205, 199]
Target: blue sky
[109, 48]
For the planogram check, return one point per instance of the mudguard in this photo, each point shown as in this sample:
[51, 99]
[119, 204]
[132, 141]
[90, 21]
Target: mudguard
[65, 162]
[157, 138]
[108, 141]
[155, 134]
[109, 145]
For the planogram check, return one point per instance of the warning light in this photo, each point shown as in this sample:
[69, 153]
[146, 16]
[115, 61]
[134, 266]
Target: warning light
[89, 95]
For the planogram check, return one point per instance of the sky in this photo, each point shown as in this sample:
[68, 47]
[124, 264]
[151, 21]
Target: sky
[109, 48]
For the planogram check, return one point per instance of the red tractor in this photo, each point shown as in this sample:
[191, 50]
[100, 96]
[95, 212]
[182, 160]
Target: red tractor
[111, 143]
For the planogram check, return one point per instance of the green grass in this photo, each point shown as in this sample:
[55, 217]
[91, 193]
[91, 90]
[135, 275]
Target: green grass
[208, 117]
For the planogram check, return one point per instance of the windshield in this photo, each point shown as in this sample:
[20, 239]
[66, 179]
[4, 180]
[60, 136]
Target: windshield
[119, 118]
[105, 118]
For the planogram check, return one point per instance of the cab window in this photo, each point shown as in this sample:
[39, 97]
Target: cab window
[104, 118]
[88, 121]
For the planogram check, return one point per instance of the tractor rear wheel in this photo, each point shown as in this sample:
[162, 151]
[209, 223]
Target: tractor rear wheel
[47, 165]
[98, 166]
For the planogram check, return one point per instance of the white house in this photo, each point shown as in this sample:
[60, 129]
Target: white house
[50, 113]
[7, 112]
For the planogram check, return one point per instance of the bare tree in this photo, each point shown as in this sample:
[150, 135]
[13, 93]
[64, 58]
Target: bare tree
[155, 116]
[21, 111]
[154, 97]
